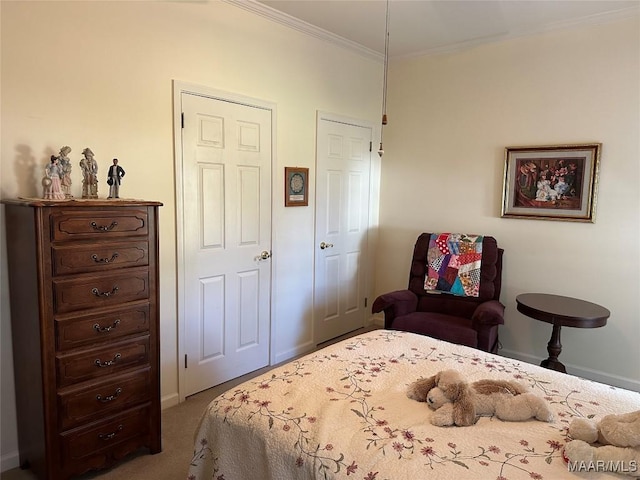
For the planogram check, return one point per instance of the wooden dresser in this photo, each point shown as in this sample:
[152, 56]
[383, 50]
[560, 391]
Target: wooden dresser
[83, 277]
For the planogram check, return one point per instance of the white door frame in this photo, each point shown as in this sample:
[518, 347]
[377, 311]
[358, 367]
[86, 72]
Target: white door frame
[180, 87]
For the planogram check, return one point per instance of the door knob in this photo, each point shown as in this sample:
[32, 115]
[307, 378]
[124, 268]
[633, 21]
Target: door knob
[264, 255]
[324, 245]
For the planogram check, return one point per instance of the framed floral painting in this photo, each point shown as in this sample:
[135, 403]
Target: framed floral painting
[555, 182]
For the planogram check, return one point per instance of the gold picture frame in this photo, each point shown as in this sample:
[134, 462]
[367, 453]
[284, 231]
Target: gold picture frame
[296, 187]
[553, 182]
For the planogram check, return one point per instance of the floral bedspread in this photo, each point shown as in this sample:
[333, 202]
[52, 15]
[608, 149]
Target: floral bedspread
[342, 413]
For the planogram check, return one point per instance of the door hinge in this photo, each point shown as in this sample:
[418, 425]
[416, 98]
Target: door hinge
[370, 147]
[366, 300]
[182, 119]
[185, 360]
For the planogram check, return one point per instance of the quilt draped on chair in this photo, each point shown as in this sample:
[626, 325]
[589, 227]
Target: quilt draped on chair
[453, 264]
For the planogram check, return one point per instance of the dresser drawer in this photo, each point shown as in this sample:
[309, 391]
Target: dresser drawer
[76, 332]
[78, 406]
[101, 444]
[69, 259]
[92, 224]
[100, 291]
[94, 363]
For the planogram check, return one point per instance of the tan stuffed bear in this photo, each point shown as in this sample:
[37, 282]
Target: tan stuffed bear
[618, 449]
[456, 402]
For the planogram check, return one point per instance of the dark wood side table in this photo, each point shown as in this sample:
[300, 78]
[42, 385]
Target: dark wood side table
[560, 312]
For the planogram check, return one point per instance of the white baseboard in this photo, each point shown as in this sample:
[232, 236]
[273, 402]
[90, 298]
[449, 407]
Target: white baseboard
[9, 461]
[294, 352]
[595, 375]
[170, 400]
[377, 320]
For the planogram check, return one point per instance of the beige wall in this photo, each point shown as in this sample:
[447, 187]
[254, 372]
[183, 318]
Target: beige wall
[450, 118]
[100, 74]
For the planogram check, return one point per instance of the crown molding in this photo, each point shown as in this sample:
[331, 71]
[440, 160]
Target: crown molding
[591, 20]
[304, 27]
[287, 20]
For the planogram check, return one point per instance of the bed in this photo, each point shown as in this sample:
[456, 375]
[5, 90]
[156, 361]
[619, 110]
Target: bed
[342, 412]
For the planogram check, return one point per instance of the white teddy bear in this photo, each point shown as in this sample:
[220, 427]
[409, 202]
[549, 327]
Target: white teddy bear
[617, 449]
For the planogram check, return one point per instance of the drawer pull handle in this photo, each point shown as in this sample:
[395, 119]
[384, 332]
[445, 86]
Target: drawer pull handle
[109, 398]
[98, 293]
[109, 436]
[100, 329]
[99, 363]
[104, 228]
[104, 260]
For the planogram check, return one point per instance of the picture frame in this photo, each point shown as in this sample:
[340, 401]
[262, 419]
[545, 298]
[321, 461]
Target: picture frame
[553, 182]
[296, 187]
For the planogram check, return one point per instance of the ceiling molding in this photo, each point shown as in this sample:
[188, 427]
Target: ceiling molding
[309, 29]
[591, 20]
[304, 27]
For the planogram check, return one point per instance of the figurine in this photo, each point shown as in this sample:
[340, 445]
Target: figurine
[116, 172]
[89, 174]
[51, 182]
[64, 164]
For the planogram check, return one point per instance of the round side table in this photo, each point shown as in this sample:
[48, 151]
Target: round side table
[560, 312]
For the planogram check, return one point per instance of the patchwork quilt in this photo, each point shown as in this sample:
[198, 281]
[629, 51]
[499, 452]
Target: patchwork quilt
[453, 264]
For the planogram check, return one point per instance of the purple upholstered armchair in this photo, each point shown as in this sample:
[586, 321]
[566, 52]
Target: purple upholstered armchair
[465, 320]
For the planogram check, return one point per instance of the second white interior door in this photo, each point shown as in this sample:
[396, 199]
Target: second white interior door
[342, 220]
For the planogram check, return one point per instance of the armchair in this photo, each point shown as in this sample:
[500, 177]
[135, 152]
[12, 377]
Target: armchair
[465, 320]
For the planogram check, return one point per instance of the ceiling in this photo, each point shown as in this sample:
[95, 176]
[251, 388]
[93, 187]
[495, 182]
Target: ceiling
[421, 27]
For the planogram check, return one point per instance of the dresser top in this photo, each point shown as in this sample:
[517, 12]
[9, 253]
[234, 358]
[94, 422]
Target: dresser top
[80, 202]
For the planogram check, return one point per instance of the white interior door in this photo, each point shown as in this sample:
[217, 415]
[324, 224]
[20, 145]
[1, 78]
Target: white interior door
[226, 226]
[342, 220]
